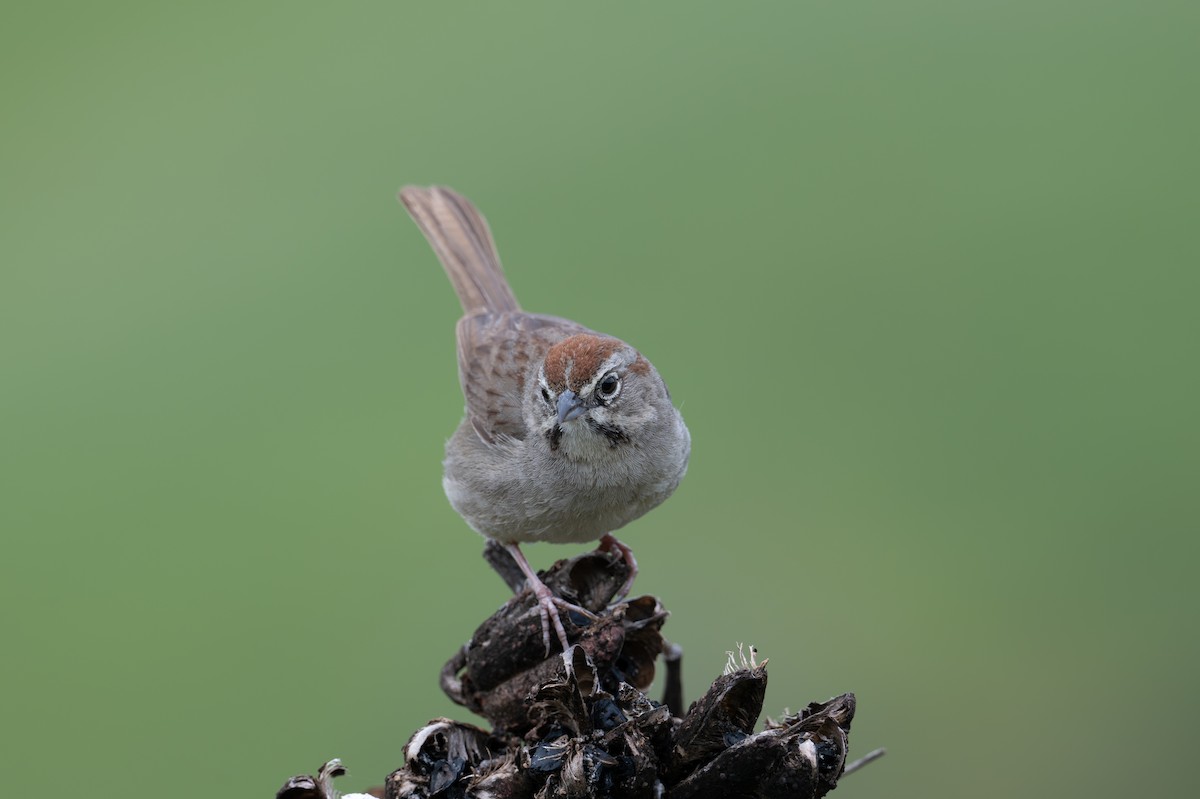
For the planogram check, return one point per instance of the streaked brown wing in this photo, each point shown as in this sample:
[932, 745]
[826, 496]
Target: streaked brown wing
[497, 352]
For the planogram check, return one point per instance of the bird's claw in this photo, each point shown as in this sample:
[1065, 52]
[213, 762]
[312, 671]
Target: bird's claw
[609, 543]
[548, 606]
[547, 603]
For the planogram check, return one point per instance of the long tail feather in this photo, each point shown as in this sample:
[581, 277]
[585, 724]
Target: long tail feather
[460, 236]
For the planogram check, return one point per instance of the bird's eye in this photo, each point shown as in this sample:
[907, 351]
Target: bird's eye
[609, 386]
[546, 396]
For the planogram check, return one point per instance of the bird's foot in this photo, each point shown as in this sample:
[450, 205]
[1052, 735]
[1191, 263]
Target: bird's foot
[608, 543]
[548, 606]
[548, 603]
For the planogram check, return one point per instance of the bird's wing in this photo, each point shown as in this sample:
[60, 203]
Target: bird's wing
[497, 354]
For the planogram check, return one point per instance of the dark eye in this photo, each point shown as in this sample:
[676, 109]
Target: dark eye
[609, 386]
[546, 396]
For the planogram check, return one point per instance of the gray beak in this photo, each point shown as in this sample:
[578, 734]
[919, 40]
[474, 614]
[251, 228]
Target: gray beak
[570, 406]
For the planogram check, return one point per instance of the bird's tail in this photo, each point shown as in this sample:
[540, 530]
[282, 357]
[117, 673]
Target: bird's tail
[460, 237]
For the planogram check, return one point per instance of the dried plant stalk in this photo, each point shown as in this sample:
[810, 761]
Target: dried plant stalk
[578, 724]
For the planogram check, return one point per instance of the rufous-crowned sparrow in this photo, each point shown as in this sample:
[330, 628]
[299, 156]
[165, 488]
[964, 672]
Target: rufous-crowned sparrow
[569, 434]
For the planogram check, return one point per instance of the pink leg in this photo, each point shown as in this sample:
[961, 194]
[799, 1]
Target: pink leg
[607, 544]
[548, 603]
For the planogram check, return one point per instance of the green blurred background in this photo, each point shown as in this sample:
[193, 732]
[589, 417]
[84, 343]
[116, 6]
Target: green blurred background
[922, 277]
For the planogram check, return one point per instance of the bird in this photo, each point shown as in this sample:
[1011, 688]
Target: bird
[568, 434]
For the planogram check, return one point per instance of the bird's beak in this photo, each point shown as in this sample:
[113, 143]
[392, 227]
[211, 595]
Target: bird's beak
[570, 406]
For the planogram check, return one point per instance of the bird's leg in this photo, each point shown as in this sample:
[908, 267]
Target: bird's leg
[548, 603]
[608, 543]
